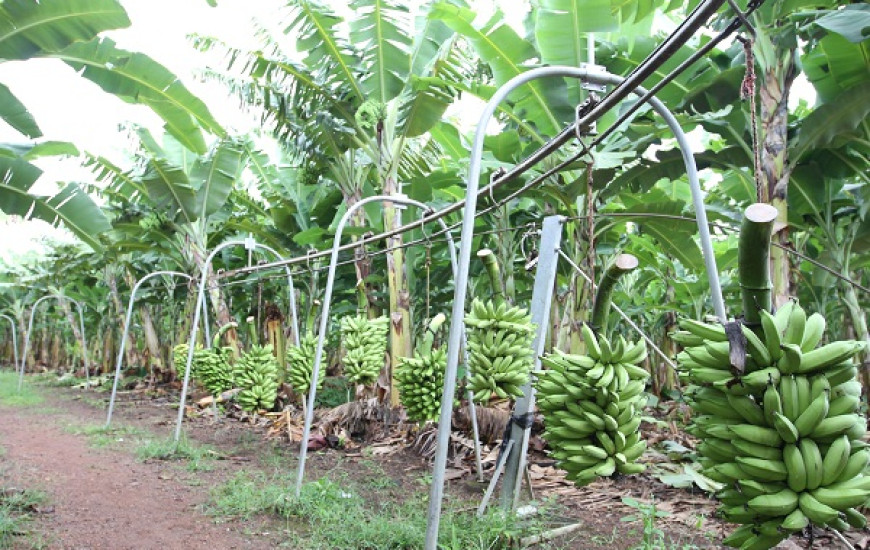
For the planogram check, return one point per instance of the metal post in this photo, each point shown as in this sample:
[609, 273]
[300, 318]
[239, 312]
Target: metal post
[200, 303]
[126, 331]
[30, 329]
[324, 316]
[542, 299]
[14, 338]
[84, 343]
[436, 492]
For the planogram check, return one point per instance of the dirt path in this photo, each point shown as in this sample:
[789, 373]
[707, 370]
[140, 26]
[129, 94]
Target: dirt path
[103, 499]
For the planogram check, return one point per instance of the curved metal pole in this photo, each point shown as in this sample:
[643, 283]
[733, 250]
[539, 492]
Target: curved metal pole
[200, 303]
[324, 319]
[436, 492]
[127, 320]
[14, 338]
[30, 329]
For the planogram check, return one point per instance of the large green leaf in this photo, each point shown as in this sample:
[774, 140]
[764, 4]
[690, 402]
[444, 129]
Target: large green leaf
[831, 120]
[15, 114]
[118, 183]
[835, 65]
[436, 60]
[377, 32]
[215, 175]
[676, 239]
[332, 59]
[170, 190]
[670, 165]
[29, 28]
[851, 22]
[508, 54]
[71, 207]
[135, 77]
[561, 28]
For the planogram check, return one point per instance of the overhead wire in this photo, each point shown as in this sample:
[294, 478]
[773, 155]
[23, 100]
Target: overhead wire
[729, 228]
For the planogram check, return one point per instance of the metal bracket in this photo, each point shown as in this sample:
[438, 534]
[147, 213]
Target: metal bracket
[400, 197]
[580, 113]
[589, 84]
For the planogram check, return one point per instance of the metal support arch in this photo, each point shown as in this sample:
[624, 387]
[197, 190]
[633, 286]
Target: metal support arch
[324, 323]
[200, 303]
[127, 320]
[30, 329]
[436, 492]
[14, 338]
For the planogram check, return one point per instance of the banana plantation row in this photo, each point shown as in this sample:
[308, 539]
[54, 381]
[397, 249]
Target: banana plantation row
[373, 102]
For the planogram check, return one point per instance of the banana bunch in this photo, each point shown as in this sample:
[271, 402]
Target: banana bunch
[421, 383]
[213, 370]
[499, 349]
[256, 373]
[591, 406]
[179, 359]
[785, 437]
[365, 341]
[300, 364]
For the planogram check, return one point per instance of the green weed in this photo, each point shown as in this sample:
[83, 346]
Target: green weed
[329, 515]
[196, 457]
[653, 538]
[15, 508]
[9, 394]
[102, 436]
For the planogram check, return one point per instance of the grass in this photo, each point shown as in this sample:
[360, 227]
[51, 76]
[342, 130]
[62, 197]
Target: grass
[9, 394]
[15, 508]
[102, 436]
[332, 515]
[198, 458]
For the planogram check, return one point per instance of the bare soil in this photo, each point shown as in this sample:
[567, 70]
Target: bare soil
[104, 498]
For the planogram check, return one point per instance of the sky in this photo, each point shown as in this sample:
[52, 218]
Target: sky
[69, 108]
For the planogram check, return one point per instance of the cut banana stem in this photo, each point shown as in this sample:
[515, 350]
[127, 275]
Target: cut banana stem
[622, 264]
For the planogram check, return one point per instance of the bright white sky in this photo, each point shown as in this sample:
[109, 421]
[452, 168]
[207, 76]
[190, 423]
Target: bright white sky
[70, 108]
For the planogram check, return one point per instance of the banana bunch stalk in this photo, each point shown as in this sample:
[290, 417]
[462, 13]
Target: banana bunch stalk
[421, 378]
[256, 373]
[499, 349]
[785, 437]
[365, 341]
[300, 364]
[591, 406]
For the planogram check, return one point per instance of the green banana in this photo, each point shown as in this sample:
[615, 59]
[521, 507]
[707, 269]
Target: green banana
[815, 511]
[812, 462]
[814, 329]
[835, 459]
[810, 418]
[762, 469]
[794, 462]
[777, 504]
[714, 333]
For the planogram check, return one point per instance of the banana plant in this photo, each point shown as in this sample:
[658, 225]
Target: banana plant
[69, 31]
[357, 108]
[183, 196]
